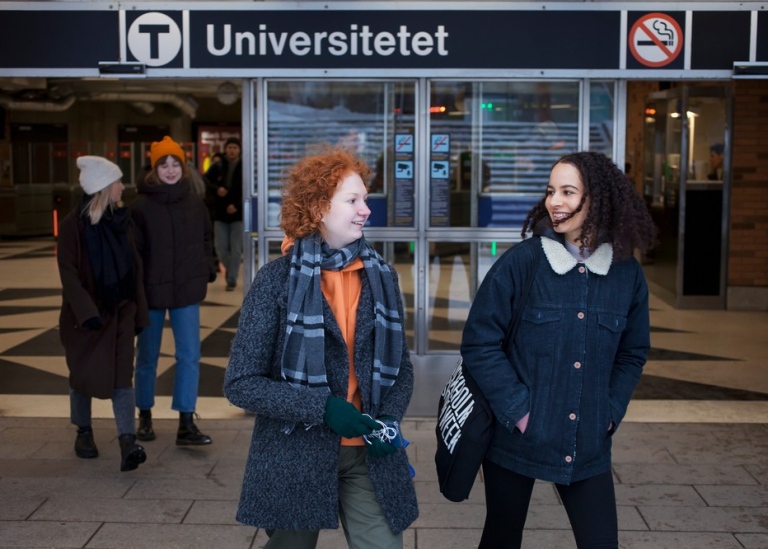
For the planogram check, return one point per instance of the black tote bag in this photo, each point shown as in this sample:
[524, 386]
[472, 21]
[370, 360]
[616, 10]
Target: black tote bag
[465, 421]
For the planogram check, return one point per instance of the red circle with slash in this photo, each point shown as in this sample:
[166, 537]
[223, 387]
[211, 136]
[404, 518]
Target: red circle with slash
[656, 40]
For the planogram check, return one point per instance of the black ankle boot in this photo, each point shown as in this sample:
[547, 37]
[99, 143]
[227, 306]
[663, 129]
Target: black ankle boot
[145, 431]
[85, 447]
[188, 433]
[132, 455]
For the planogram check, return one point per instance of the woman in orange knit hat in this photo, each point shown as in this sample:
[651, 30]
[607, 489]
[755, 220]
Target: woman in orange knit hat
[175, 241]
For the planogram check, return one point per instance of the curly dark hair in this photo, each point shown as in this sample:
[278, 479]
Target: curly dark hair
[617, 214]
[309, 186]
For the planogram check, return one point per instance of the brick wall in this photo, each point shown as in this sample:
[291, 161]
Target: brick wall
[748, 258]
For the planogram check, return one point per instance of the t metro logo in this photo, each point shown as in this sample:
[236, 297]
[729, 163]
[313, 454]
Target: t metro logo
[154, 39]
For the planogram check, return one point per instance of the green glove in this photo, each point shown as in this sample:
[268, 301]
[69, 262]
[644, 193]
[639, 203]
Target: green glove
[380, 449]
[345, 420]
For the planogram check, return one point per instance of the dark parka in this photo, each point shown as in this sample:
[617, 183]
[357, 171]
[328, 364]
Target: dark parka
[173, 236]
[291, 480]
[216, 177]
[578, 355]
[99, 361]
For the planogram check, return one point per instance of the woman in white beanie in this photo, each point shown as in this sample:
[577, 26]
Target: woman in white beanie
[103, 306]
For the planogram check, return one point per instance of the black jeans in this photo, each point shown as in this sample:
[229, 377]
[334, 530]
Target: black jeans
[590, 504]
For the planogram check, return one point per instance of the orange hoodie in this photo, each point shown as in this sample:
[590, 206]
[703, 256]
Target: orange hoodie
[342, 291]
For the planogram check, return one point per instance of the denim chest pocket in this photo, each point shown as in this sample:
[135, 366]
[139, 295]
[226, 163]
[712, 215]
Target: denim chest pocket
[612, 322]
[542, 316]
[610, 328]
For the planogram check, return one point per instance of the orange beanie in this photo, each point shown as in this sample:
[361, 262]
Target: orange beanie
[164, 148]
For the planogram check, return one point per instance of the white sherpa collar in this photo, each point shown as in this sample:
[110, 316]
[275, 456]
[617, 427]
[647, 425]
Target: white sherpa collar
[561, 260]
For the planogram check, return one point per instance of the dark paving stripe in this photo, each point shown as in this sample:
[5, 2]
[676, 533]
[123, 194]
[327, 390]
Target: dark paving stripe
[23, 380]
[666, 354]
[211, 381]
[660, 388]
[45, 344]
[655, 329]
[12, 330]
[232, 321]
[7, 310]
[9, 294]
[217, 344]
[31, 255]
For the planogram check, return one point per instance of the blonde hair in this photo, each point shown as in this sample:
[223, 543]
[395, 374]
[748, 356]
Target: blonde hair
[99, 204]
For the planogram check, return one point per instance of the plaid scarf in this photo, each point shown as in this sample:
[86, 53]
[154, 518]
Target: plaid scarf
[303, 363]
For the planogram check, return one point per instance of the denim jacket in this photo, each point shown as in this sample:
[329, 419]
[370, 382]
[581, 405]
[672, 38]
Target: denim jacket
[580, 348]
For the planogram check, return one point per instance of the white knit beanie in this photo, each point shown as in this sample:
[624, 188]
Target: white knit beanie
[97, 173]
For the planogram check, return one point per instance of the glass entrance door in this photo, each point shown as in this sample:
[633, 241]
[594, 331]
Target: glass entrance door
[687, 176]
[456, 164]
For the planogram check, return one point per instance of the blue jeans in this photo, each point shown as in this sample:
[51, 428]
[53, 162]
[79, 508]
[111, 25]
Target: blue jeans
[228, 239]
[185, 323]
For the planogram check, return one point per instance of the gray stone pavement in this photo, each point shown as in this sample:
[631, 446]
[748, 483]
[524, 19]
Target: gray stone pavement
[679, 486]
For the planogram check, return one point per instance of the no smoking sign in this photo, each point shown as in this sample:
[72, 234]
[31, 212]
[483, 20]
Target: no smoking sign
[656, 40]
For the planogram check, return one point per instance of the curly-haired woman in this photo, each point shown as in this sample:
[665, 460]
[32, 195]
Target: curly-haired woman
[580, 348]
[319, 352]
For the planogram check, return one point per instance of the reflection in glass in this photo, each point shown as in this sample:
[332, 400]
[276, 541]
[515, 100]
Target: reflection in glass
[706, 138]
[504, 138]
[452, 288]
[601, 103]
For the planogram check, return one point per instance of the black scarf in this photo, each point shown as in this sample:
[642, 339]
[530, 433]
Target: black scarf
[109, 255]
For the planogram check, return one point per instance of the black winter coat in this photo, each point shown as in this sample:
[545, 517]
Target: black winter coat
[216, 177]
[174, 239]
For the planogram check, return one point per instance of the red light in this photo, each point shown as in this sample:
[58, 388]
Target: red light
[650, 111]
[436, 109]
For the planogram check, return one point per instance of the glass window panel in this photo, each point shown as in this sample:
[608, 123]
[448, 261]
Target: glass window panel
[706, 124]
[453, 280]
[601, 102]
[368, 117]
[492, 146]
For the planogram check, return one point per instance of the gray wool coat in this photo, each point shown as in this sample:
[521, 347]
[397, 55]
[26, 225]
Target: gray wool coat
[291, 480]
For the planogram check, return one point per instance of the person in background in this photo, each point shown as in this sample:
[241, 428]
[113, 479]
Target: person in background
[225, 190]
[103, 307]
[320, 352]
[580, 348]
[196, 180]
[173, 236]
[716, 153]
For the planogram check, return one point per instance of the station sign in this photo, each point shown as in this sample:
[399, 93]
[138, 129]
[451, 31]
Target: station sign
[264, 37]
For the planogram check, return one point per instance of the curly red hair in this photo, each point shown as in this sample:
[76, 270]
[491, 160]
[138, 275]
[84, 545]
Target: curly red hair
[310, 185]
